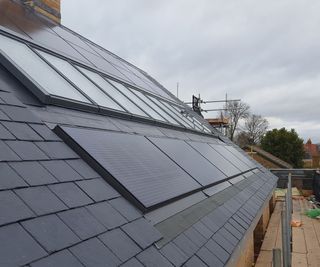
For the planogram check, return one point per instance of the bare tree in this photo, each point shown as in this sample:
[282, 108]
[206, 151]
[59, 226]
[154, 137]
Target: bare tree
[255, 127]
[235, 111]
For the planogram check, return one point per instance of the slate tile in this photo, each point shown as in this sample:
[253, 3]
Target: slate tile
[186, 245]
[57, 150]
[45, 132]
[26, 150]
[120, 244]
[18, 247]
[217, 250]
[195, 236]
[107, 215]
[9, 179]
[228, 236]
[98, 189]
[209, 258]
[209, 224]
[92, 253]
[33, 173]
[82, 223]
[142, 232]
[235, 232]
[10, 99]
[3, 116]
[237, 225]
[173, 254]
[5, 134]
[12, 209]
[195, 262]
[152, 257]
[6, 154]
[61, 259]
[126, 209]
[41, 200]
[132, 263]
[83, 168]
[61, 170]
[20, 114]
[202, 229]
[225, 244]
[243, 220]
[21, 131]
[70, 194]
[50, 232]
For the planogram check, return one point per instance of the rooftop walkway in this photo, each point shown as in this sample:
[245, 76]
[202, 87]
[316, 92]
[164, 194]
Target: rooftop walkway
[306, 239]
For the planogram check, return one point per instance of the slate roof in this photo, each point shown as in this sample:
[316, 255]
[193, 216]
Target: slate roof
[56, 210]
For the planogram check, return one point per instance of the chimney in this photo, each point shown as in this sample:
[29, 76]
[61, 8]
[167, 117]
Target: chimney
[47, 8]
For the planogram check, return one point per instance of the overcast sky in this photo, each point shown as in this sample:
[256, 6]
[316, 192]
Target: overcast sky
[265, 52]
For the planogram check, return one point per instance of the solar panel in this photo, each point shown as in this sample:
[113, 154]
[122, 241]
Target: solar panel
[215, 158]
[240, 156]
[190, 160]
[132, 163]
[229, 156]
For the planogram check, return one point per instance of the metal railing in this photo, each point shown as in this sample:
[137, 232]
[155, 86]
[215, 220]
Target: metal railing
[286, 230]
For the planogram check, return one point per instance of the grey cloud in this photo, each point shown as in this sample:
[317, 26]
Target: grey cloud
[264, 52]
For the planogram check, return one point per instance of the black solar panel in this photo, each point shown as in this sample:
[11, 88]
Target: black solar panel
[215, 158]
[229, 156]
[134, 163]
[190, 160]
[241, 156]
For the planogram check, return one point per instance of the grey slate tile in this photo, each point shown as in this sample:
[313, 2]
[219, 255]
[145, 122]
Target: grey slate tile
[126, 209]
[9, 178]
[82, 223]
[202, 229]
[92, 253]
[174, 254]
[19, 114]
[70, 194]
[186, 245]
[209, 258]
[107, 215]
[45, 132]
[228, 236]
[3, 116]
[26, 150]
[225, 244]
[132, 263]
[210, 224]
[195, 236]
[217, 250]
[57, 150]
[22, 131]
[237, 225]
[61, 259]
[83, 168]
[152, 257]
[235, 232]
[195, 262]
[120, 244]
[41, 200]
[142, 232]
[10, 99]
[61, 170]
[12, 209]
[6, 154]
[33, 173]
[51, 232]
[5, 134]
[18, 247]
[98, 189]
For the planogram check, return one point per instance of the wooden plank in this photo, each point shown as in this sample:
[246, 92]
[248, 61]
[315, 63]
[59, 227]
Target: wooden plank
[299, 260]
[299, 243]
[264, 259]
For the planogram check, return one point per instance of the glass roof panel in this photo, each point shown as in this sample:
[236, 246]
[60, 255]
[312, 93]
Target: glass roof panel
[81, 82]
[38, 70]
[112, 91]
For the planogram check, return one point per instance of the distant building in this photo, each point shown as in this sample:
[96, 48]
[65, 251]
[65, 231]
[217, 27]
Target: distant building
[312, 155]
[266, 159]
